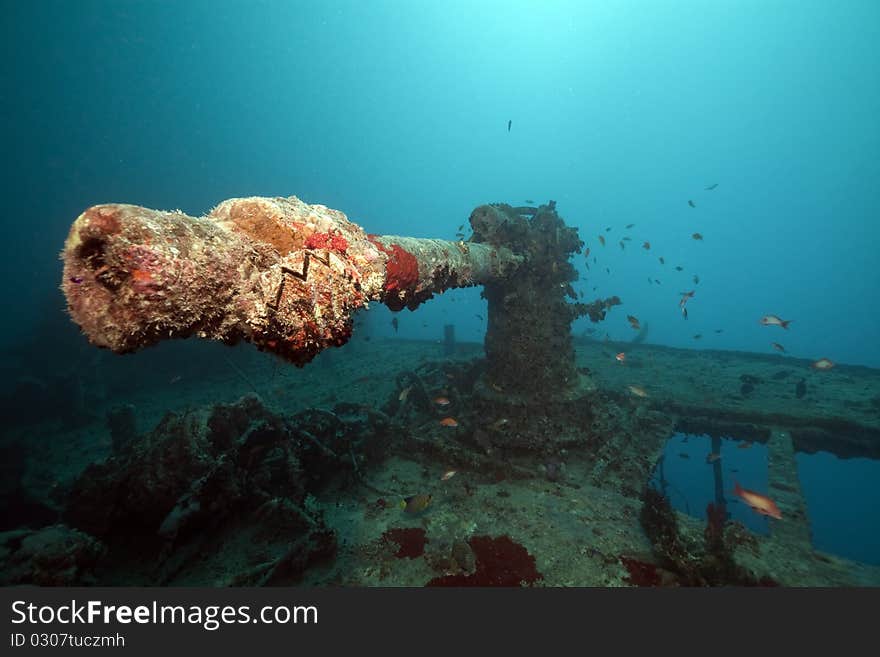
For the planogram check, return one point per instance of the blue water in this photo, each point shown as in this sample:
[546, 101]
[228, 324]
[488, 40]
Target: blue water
[397, 114]
[691, 480]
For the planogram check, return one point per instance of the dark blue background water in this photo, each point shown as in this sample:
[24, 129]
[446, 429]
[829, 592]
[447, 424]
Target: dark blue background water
[397, 113]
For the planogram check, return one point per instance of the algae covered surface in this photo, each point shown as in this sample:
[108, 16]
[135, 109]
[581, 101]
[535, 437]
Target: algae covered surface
[243, 473]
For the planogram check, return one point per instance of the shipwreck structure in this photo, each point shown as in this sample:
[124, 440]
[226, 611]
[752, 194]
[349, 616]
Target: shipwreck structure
[527, 422]
[288, 277]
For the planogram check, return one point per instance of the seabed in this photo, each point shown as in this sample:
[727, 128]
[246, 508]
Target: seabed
[260, 490]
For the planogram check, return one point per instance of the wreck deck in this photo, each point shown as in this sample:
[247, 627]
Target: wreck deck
[575, 530]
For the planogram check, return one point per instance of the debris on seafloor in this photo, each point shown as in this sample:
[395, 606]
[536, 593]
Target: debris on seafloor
[684, 560]
[208, 479]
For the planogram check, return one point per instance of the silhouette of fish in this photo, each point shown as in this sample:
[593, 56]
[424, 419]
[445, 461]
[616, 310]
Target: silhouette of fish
[509, 123]
[692, 204]
[711, 187]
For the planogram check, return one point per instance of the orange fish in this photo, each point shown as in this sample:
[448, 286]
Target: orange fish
[449, 474]
[773, 320]
[449, 422]
[633, 321]
[646, 246]
[621, 357]
[442, 401]
[823, 364]
[760, 503]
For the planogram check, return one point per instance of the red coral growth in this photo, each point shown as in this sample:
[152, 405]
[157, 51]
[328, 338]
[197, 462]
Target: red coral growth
[332, 241]
[410, 541]
[499, 562]
[402, 268]
[641, 573]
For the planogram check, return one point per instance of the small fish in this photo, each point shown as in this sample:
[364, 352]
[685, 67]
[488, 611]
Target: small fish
[394, 323]
[679, 268]
[175, 379]
[760, 503]
[479, 317]
[638, 391]
[627, 239]
[685, 296]
[711, 458]
[647, 247]
[442, 401]
[628, 226]
[745, 445]
[607, 270]
[449, 474]
[684, 312]
[529, 201]
[587, 253]
[662, 261]
[657, 281]
[773, 320]
[608, 230]
[622, 245]
[711, 187]
[416, 503]
[499, 424]
[404, 394]
[692, 204]
[719, 330]
[800, 389]
[698, 336]
[696, 280]
[650, 282]
[633, 321]
[461, 228]
[459, 236]
[822, 364]
[621, 357]
[778, 347]
[449, 422]
[601, 240]
[683, 455]
[509, 123]
[697, 237]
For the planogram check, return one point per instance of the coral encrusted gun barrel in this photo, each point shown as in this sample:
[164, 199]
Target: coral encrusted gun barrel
[277, 272]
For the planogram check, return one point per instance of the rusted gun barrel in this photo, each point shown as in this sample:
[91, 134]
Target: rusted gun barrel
[277, 272]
